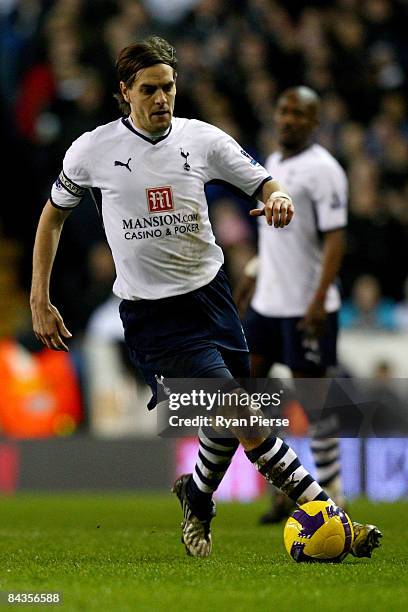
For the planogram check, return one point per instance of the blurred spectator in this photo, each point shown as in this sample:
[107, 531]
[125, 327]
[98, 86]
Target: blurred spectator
[169, 12]
[375, 236]
[20, 22]
[368, 310]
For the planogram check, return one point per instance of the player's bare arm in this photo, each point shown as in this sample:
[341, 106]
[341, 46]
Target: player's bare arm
[278, 206]
[332, 256]
[48, 324]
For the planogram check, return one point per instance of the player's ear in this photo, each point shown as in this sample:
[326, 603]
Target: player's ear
[123, 91]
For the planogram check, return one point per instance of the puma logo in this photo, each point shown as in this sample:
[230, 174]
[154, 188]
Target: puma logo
[119, 163]
[186, 164]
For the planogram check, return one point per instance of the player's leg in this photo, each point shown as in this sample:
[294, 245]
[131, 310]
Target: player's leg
[264, 339]
[215, 452]
[265, 342]
[214, 458]
[229, 360]
[195, 490]
[280, 466]
[272, 457]
[173, 338]
[326, 455]
[308, 359]
[312, 359]
[325, 449]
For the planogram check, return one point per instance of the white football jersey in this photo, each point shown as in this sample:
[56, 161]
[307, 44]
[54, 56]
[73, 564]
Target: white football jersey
[152, 198]
[290, 259]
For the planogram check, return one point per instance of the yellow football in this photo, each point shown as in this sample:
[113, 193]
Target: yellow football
[318, 531]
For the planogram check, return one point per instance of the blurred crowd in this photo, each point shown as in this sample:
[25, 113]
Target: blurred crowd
[57, 79]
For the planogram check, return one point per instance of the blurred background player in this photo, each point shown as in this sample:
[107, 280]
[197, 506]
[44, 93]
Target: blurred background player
[293, 315]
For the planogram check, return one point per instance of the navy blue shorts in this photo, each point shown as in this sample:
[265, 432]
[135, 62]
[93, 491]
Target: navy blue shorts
[195, 335]
[279, 340]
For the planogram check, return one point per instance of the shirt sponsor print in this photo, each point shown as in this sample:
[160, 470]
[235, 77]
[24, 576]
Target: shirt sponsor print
[173, 223]
[159, 199]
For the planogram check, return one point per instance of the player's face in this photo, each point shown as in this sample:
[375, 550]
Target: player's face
[295, 121]
[151, 98]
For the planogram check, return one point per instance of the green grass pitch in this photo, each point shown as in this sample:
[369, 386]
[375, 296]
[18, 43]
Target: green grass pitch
[123, 552]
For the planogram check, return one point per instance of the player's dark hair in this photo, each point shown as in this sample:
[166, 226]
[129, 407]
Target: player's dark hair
[139, 55]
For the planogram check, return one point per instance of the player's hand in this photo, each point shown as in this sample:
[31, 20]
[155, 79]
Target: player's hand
[49, 327]
[243, 294]
[313, 322]
[278, 210]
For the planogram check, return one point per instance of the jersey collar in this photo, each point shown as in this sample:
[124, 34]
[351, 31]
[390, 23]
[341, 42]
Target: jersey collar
[300, 152]
[152, 141]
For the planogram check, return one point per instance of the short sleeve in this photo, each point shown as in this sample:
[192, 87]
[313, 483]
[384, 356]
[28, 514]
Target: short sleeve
[329, 194]
[230, 163]
[73, 180]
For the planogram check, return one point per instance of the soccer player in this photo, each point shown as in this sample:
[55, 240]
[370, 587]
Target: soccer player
[293, 316]
[147, 172]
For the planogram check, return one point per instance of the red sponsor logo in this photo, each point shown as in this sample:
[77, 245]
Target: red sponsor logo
[159, 199]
